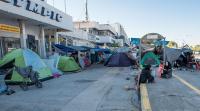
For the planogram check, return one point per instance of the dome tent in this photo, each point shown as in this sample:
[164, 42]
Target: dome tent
[119, 60]
[24, 58]
[67, 64]
[150, 59]
[64, 63]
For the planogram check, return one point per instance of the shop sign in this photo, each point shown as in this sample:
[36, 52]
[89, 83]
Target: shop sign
[152, 36]
[35, 8]
[59, 39]
[9, 28]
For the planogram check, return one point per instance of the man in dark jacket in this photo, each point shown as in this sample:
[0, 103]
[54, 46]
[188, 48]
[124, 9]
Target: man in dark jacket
[146, 76]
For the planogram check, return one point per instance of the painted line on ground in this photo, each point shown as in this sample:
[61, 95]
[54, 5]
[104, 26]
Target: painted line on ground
[187, 84]
[145, 103]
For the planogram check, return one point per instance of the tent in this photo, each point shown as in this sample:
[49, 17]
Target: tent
[119, 60]
[24, 58]
[67, 64]
[172, 54]
[150, 59]
[52, 64]
[122, 50]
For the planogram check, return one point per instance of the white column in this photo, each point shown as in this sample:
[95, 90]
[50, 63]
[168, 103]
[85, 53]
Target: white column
[50, 48]
[22, 34]
[66, 41]
[56, 37]
[42, 45]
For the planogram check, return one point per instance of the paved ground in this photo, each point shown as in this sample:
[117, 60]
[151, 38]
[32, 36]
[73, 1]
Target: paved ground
[95, 89]
[174, 95]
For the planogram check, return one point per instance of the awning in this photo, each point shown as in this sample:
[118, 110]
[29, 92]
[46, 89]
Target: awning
[100, 50]
[64, 48]
[79, 48]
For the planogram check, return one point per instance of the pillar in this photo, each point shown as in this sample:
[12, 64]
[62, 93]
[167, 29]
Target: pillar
[42, 45]
[50, 47]
[22, 34]
[56, 37]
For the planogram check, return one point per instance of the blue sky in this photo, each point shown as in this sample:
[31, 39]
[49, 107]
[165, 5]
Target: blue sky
[177, 20]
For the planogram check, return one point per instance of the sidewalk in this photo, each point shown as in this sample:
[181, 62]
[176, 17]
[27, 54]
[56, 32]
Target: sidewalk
[98, 88]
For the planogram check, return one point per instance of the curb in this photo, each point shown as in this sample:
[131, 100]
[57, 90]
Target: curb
[145, 103]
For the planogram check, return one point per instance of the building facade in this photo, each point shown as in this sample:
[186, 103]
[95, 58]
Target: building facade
[103, 34]
[121, 34]
[30, 24]
[77, 38]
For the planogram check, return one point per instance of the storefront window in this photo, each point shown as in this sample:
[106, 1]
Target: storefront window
[62, 41]
[8, 44]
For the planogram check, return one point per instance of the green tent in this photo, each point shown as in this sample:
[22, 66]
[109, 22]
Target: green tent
[24, 58]
[67, 64]
[150, 59]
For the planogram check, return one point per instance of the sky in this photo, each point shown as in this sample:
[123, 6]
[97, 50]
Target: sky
[177, 20]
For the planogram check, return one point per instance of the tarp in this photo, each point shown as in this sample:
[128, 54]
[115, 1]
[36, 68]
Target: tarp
[100, 50]
[119, 60]
[150, 59]
[78, 48]
[24, 58]
[135, 41]
[67, 64]
[62, 48]
[86, 47]
[172, 54]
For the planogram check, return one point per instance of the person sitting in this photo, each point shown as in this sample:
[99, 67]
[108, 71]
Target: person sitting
[145, 75]
[167, 70]
[198, 65]
[160, 69]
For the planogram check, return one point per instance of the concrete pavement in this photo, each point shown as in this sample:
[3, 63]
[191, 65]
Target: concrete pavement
[173, 95]
[98, 88]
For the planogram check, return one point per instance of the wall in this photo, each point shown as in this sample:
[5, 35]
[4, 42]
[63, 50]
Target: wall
[106, 39]
[12, 22]
[65, 23]
[32, 30]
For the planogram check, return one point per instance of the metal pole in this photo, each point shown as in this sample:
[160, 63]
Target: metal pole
[65, 1]
[86, 10]
[164, 56]
[140, 52]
